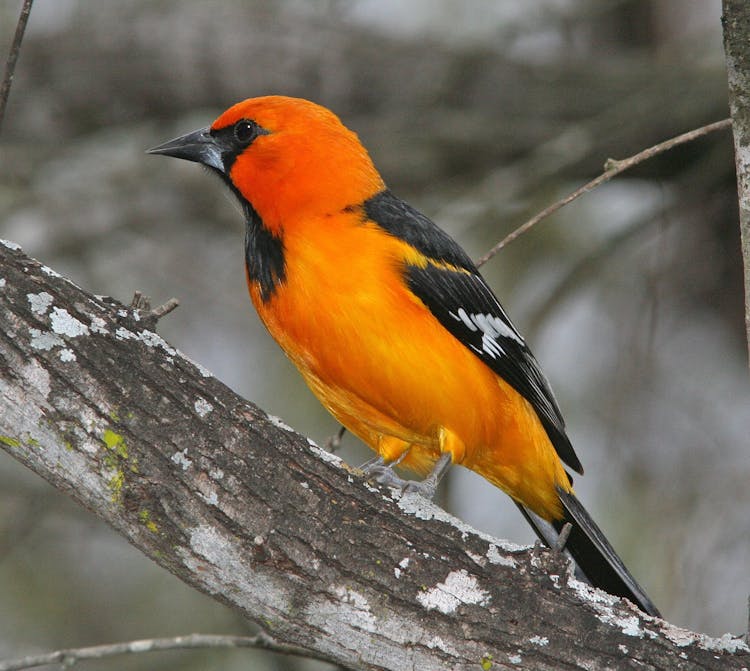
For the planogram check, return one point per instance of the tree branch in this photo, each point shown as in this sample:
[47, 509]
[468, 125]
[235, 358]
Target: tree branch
[241, 507]
[612, 168]
[71, 656]
[736, 21]
[10, 63]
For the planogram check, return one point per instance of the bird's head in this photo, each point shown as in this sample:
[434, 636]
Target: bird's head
[287, 157]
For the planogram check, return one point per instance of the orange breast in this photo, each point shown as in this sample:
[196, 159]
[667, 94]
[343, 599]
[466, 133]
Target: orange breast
[387, 369]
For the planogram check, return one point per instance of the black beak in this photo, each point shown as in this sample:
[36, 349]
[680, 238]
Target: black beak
[199, 146]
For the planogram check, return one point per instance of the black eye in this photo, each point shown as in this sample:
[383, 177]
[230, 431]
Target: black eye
[245, 131]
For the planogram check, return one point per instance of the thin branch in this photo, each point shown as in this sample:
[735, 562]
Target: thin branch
[15, 49]
[71, 656]
[612, 168]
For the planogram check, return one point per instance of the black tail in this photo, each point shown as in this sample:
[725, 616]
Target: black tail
[591, 551]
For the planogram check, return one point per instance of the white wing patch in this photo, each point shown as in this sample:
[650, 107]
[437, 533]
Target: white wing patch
[462, 316]
[492, 328]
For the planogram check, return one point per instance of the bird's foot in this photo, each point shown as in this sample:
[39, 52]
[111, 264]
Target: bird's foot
[383, 473]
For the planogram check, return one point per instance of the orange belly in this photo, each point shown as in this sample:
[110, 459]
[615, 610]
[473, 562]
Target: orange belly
[386, 368]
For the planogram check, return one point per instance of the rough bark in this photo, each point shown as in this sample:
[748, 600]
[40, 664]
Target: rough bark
[241, 507]
[736, 21]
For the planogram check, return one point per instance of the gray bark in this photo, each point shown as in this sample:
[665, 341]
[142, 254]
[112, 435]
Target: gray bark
[736, 21]
[244, 509]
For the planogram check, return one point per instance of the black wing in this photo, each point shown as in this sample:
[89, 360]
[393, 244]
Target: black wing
[455, 292]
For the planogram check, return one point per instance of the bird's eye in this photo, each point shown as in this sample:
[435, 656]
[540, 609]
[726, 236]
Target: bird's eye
[245, 131]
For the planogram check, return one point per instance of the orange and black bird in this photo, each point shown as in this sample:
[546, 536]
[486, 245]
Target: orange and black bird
[390, 323]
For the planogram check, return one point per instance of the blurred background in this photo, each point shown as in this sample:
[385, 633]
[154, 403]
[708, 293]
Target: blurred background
[480, 114]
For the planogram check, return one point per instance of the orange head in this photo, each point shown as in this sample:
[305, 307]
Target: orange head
[287, 157]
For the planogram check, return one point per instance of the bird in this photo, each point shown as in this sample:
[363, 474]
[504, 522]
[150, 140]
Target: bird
[391, 324]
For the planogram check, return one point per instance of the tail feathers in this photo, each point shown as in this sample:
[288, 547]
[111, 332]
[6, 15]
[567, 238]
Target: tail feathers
[590, 549]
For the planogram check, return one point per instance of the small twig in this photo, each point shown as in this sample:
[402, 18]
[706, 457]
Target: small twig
[71, 656]
[334, 442]
[142, 304]
[10, 64]
[165, 308]
[612, 168]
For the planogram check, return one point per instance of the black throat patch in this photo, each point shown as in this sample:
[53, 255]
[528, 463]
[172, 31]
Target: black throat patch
[264, 254]
[264, 251]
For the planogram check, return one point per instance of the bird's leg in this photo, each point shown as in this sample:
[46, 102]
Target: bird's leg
[384, 474]
[370, 464]
[387, 447]
[376, 465]
[429, 485]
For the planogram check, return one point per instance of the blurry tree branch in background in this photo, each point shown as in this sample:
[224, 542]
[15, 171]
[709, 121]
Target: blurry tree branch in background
[70, 656]
[10, 63]
[612, 168]
[241, 507]
[736, 22]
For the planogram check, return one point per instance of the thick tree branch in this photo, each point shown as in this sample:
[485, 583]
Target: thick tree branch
[244, 509]
[736, 22]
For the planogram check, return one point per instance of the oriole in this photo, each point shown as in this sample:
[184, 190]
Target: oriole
[389, 321]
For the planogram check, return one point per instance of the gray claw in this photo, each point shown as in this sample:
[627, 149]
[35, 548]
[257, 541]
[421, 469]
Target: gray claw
[383, 473]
